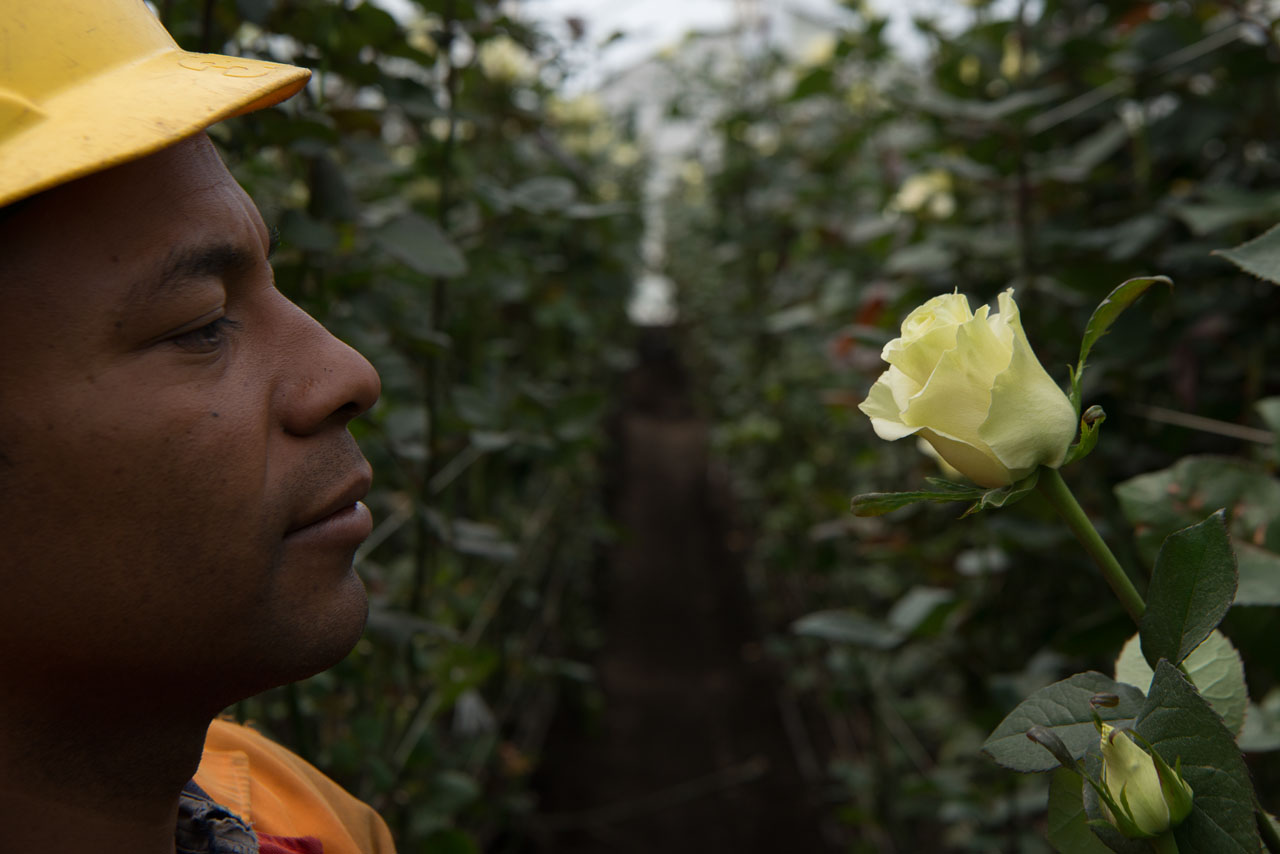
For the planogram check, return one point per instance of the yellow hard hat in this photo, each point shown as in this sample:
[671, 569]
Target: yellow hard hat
[89, 84]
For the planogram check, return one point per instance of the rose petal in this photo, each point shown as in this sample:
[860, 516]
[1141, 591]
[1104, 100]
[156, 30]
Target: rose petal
[943, 310]
[883, 410]
[958, 394]
[1031, 422]
[918, 358]
[977, 464]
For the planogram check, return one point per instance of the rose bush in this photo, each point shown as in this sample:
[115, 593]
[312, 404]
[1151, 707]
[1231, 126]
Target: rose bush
[969, 384]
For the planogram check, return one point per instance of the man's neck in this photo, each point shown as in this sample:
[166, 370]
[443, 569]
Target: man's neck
[106, 781]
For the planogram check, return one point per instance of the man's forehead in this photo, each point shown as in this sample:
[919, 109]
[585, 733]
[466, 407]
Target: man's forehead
[148, 215]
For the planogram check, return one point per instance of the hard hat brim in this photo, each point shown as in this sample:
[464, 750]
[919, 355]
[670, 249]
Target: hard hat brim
[133, 110]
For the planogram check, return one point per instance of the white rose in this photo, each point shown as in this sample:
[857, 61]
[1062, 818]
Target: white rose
[1152, 805]
[505, 60]
[969, 384]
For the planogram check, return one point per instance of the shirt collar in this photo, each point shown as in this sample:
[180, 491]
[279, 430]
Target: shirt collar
[205, 827]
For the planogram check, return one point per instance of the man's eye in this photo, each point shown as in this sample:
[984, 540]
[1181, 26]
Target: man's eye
[207, 338]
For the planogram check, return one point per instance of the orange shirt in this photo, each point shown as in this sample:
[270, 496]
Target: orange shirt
[281, 794]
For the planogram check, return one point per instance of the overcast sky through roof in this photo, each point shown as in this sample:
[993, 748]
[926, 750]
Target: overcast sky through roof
[650, 25]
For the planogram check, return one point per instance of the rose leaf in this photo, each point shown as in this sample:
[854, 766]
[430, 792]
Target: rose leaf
[1259, 256]
[1063, 708]
[1192, 586]
[1103, 316]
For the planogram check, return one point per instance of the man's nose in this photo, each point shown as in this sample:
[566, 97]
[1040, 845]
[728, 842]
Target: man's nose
[329, 383]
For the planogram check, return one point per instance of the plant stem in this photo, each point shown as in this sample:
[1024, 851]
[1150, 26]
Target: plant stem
[1055, 490]
[1165, 844]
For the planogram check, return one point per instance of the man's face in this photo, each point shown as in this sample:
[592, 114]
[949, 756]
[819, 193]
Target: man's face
[172, 430]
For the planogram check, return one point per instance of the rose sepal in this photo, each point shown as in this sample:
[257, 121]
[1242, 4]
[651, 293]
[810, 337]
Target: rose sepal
[1004, 496]
[879, 503]
[1177, 794]
[1090, 424]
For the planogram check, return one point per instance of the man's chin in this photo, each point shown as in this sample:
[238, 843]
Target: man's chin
[304, 645]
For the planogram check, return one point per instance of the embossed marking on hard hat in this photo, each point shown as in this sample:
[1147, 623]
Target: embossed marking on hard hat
[228, 69]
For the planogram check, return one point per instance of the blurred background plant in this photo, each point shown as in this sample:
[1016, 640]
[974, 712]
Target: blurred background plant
[449, 207]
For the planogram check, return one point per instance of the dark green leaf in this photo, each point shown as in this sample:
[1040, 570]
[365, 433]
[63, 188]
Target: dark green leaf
[847, 626]
[1260, 256]
[1103, 316]
[1259, 575]
[543, 194]
[920, 258]
[1214, 667]
[255, 11]
[979, 110]
[1159, 503]
[1179, 724]
[331, 198]
[1066, 826]
[1220, 207]
[300, 231]
[1261, 731]
[450, 841]
[420, 244]
[1064, 708]
[1192, 586]
[922, 611]
[469, 537]
[817, 82]
[1269, 409]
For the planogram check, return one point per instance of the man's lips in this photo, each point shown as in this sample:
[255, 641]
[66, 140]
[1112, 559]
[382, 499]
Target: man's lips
[343, 518]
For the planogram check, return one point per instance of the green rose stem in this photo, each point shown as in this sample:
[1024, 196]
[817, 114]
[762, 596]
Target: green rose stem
[1164, 844]
[1055, 490]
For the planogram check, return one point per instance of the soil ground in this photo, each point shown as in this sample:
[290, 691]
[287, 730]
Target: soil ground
[688, 752]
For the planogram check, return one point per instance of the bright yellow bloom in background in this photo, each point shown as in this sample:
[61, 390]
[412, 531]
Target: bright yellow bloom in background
[969, 384]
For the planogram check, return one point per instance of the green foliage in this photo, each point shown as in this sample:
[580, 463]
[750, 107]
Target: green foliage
[1065, 709]
[849, 627]
[1181, 727]
[420, 245]
[1005, 496]
[1081, 146]
[1090, 425]
[1214, 667]
[1161, 502]
[1260, 256]
[1192, 586]
[1106, 314]
[879, 503]
[1068, 828]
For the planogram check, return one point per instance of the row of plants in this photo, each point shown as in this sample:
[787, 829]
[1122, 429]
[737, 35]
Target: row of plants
[1060, 151]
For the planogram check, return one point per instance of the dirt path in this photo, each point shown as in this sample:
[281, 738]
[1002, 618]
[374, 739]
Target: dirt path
[689, 753]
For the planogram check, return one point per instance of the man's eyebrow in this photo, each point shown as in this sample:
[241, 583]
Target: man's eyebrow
[185, 266]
